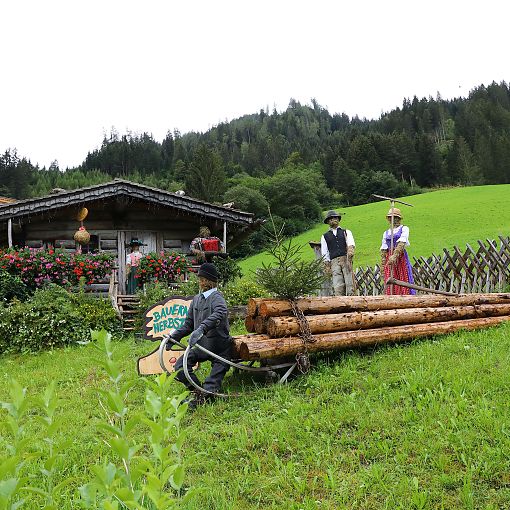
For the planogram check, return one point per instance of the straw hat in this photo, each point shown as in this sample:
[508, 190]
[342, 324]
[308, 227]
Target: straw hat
[394, 212]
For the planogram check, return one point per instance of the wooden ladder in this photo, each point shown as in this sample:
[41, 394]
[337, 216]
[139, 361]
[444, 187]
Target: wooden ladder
[128, 308]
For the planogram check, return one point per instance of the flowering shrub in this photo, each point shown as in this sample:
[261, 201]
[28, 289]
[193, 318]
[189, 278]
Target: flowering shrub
[162, 267]
[36, 267]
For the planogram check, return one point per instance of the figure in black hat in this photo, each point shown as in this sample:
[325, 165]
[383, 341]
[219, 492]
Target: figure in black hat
[132, 263]
[337, 249]
[207, 321]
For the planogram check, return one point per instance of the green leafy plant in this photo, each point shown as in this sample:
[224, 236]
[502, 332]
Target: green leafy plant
[228, 269]
[238, 292]
[52, 449]
[132, 475]
[12, 287]
[188, 288]
[139, 478]
[291, 276]
[12, 481]
[53, 317]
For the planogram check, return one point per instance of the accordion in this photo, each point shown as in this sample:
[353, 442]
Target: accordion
[210, 244]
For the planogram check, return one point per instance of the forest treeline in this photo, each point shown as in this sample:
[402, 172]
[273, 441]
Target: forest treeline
[302, 159]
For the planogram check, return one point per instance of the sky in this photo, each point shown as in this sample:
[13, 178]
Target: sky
[72, 70]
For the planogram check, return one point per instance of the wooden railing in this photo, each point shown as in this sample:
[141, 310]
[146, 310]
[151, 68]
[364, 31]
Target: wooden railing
[485, 268]
[113, 290]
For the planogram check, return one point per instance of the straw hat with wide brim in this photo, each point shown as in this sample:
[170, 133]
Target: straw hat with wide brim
[395, 212]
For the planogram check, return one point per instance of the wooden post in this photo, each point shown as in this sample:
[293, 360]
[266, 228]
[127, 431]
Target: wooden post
[9, 232]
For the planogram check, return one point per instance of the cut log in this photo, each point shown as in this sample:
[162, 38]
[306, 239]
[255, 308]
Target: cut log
[285, 326]
[260, 324]
[253, 347]
[253, 306]
[249, 324]
[340, 304]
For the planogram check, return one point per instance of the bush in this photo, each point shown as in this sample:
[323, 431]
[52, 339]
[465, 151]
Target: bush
[12, 287]
[53, 317]
[228, 269]
[238, 293]
[247, 199]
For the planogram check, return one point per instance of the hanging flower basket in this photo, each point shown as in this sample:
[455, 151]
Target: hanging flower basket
[81, 236]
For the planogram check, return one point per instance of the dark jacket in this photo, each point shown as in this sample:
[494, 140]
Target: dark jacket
[212, 314]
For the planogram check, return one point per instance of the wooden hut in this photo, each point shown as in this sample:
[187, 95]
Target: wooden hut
[118, 211]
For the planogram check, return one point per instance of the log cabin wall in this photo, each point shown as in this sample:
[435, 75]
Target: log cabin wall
[112, 223]
[173, 229]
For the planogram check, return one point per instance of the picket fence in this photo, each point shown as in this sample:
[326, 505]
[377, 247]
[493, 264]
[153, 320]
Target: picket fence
[482, 269]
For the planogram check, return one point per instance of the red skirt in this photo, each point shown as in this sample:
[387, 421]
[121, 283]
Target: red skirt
[400, 272]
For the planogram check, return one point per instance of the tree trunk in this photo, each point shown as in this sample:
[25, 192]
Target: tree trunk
[253, 347]
[341, 304]
[285, 326]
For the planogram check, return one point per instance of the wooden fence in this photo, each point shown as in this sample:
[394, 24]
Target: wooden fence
[485, 268]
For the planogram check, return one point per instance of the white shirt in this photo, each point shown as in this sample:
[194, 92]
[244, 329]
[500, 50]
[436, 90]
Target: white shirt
[324, 245]
[207, 293]
[404, 237]
[133, 259]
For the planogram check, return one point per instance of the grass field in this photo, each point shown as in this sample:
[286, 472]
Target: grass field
[439, 219]
[424, 425]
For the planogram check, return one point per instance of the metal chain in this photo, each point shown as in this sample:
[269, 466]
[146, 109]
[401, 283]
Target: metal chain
[302, 358]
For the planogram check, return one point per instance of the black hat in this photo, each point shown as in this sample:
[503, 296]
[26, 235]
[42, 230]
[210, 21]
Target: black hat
[136, 242]
[332, 214]
[209, 271]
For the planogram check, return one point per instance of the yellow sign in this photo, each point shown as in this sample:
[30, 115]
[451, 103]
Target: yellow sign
[149, 365]
[165, 317]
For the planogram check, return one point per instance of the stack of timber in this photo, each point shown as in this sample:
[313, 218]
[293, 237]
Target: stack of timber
[356, 321]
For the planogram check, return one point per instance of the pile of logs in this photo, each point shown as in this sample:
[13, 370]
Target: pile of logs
[356, 321]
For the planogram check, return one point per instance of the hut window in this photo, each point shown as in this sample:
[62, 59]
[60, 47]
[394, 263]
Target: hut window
[93, 245]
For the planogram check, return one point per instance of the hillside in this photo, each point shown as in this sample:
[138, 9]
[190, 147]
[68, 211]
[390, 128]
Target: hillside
[439, 219]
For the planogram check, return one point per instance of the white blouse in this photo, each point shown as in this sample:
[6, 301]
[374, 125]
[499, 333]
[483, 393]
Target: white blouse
[404, 237]
[133, 259]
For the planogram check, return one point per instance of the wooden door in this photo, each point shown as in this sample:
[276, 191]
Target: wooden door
[124, 238]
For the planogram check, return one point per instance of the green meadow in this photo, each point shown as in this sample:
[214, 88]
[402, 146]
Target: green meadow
[439, 219]
[424, 425]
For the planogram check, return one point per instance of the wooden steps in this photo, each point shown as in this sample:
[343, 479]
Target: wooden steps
[128, 307]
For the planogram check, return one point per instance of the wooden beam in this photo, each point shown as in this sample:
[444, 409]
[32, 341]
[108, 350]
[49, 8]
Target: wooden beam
[9, 232]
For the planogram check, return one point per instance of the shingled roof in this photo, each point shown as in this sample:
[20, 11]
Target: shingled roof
[120, 187]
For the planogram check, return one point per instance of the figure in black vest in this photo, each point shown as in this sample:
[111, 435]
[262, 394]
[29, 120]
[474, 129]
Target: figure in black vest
[207, 321]
[337, 249]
